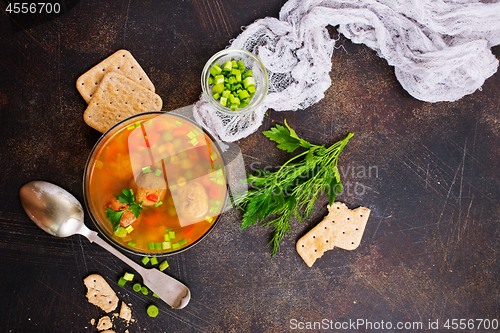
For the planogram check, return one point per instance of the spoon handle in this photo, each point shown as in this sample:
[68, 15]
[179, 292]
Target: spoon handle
[173, 292]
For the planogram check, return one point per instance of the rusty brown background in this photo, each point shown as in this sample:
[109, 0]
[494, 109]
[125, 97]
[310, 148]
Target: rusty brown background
[430, 250]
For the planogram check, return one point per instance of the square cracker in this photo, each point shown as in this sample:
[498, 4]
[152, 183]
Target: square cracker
[314, 243]
[121, 62]
[348, 225]
[117, 98]
[100, 293]
[342, 227]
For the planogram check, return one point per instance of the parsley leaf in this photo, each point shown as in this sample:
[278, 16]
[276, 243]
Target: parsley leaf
[294, 187]
[128, 198]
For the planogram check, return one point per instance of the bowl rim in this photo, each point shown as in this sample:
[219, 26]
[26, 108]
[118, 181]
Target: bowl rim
[88, 172]
[204, 84]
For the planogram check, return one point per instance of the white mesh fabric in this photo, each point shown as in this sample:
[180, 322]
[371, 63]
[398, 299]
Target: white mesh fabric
[440, 51]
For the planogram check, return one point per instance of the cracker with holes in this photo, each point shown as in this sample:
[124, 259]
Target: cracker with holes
[100, 293]
[342, 228]
[104, 323]
[118, 98]
[121, 62]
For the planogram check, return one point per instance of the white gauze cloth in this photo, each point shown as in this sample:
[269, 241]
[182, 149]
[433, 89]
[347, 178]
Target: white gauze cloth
[440, 51]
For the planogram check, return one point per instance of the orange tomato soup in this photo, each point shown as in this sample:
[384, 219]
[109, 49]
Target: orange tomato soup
[172, 169]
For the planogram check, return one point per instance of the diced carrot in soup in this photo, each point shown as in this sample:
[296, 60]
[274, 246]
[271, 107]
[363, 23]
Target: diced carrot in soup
[181, 131]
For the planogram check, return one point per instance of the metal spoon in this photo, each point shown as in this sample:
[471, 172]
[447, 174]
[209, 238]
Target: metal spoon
[60, 214]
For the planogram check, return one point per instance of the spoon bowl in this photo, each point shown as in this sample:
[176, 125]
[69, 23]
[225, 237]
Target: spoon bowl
[60, 214]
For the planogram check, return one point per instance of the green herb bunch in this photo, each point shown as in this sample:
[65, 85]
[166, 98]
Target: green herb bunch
[128, 198]
[294, 187]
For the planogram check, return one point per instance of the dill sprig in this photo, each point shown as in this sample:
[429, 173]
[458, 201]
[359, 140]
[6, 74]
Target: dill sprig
[294, 187]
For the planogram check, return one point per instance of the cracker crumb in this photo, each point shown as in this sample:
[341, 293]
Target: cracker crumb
[125, 312]
[104, 323]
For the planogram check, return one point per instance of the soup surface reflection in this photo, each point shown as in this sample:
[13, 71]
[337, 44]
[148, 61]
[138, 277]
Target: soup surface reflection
[158, 184]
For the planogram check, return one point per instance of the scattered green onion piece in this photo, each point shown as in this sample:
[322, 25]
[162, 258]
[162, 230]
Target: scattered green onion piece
[132, 244]
[152, 310]
[146, 169]
[121, 282]
[213, 210]
[169, 229]
[194, 142]
[171, 234]
[157, 172]
[149, 122]
[154, 295]
[166, 246]
[157, 247]
[175, 246]
[163, 265]
[219, 181]
[145, 260]
[178, 123]
[159, 203]
[137, 124]
[137, 287]
[191, 135]
[182, 241]
[219, 172]
[195, 132]
[120, 232]
[128, 276]
[210, 80]
[154, 260]
[166, 238]
[129, 229]
[144, 290]
[209, 219]
[131, 127]
[151, 246]
[217, 202]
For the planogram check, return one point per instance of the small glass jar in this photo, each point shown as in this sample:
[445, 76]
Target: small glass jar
[251, 62]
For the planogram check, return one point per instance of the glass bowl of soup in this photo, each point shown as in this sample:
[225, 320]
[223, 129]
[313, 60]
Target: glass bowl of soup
[155, 184]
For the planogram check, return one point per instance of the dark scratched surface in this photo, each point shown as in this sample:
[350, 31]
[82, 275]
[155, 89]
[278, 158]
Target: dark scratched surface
[428, 172]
